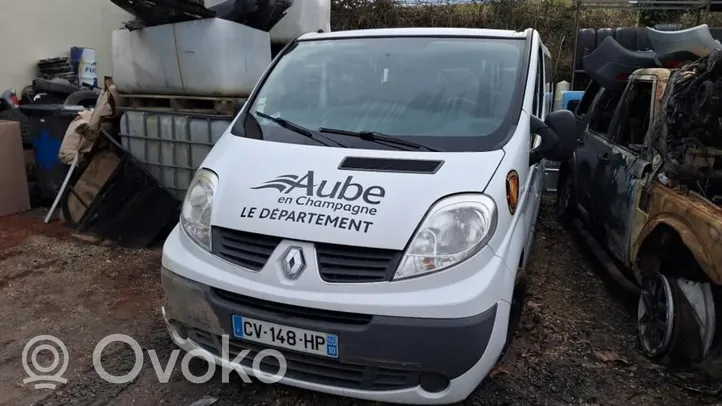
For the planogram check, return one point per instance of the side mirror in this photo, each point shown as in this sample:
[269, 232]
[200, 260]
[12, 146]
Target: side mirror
[558, 134]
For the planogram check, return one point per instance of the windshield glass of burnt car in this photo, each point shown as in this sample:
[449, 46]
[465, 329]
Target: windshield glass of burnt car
[450, 93]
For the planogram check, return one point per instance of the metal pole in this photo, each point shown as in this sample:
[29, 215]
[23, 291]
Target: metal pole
[576, 41]
[62, 188]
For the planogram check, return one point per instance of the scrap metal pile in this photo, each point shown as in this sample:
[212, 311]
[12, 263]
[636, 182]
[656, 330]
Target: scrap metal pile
[261, 15]
[689, 134]
[156, 12]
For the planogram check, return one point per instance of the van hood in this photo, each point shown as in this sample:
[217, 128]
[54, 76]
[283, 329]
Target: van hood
[303, 192]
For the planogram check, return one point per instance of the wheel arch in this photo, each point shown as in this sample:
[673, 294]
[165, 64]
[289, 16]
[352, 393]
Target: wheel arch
[672, 232]
[666, 247]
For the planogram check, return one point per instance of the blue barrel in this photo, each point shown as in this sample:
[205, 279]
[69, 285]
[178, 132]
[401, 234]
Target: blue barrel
[571, 98]
[48, 123]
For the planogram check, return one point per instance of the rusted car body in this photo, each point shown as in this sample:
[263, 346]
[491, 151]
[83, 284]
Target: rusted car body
[645, 187]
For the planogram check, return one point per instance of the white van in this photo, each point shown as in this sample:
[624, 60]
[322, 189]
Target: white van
[370, 212]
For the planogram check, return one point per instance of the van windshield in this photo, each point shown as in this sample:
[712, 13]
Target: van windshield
[454, 93]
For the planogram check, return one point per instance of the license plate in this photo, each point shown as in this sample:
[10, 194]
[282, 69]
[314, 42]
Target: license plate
[308, 341]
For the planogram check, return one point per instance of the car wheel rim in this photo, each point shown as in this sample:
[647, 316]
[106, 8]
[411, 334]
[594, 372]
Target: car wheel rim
[655, 315]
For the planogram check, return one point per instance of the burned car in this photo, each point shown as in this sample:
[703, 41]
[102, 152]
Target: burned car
[644, 186]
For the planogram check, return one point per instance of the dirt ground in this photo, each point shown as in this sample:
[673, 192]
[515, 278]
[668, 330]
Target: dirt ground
[576, 344]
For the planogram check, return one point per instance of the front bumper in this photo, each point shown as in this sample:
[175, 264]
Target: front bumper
[383, 358]
[474, 285]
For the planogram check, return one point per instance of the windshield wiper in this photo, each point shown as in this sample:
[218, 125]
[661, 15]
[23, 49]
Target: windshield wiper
[289, 125]
[374, 136]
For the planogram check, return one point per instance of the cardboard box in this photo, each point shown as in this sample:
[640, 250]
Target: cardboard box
[95, 176]
[14, 194]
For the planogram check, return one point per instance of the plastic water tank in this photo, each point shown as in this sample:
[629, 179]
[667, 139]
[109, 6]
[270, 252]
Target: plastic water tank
[209, 57]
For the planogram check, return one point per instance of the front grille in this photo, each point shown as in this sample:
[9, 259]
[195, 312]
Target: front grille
[347, 264]
[312, 368]
[248, 250]
[336, 263]
[286, 310]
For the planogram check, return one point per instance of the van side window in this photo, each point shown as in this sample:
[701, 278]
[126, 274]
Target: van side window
[635, 114]
[603, 112]
[539, 95]
[549, 73]
[535, 106]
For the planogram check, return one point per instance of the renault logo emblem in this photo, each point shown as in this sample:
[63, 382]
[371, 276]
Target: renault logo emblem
[293, 262]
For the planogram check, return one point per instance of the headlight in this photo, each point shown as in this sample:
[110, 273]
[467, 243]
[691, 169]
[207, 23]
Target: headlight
[455, 229]
[197, 205]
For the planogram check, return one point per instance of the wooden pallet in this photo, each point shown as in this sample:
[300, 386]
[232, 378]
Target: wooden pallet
[209, 105]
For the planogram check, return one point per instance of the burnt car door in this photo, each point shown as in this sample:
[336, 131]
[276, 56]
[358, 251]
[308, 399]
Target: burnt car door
[626, 165]
[592, 156]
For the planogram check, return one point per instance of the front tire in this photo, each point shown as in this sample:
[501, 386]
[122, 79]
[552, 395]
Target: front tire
[666, 322]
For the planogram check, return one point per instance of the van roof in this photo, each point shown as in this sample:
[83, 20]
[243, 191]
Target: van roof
[416, 31]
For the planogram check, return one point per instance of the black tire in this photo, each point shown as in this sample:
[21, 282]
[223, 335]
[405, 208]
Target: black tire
[14, 114]
[586, 43]
[86, 98]
[27, 94]
[642, 40]
[603, 33]
[54, 86]
[662, 303]
[49, 98]
[627, 37]
[717, 341]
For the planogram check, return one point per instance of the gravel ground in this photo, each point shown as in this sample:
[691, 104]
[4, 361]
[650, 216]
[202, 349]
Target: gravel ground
[576, 343]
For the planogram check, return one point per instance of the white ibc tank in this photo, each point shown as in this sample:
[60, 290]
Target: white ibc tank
[303, 16]
[209, 57]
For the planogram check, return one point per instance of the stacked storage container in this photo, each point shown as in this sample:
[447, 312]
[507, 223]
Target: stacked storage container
[181, 82]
